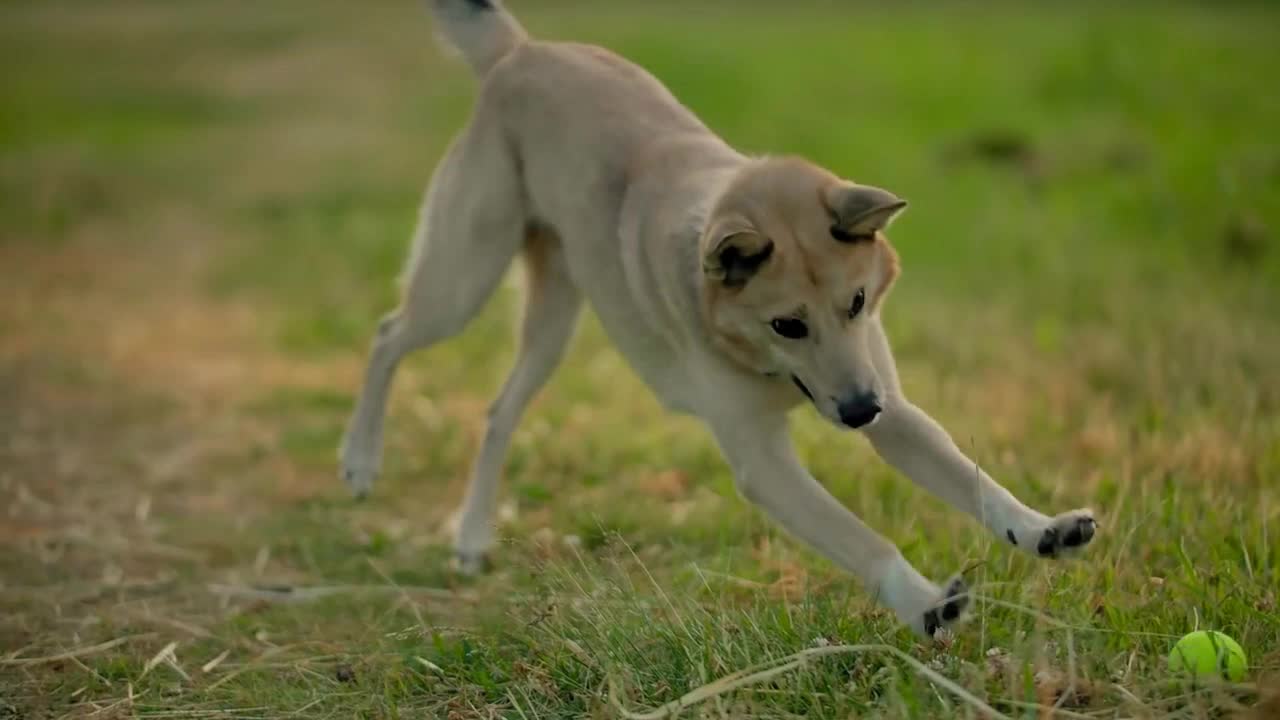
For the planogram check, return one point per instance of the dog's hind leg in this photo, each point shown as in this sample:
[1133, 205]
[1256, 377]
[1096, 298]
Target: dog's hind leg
[551, 312]
[472, 224]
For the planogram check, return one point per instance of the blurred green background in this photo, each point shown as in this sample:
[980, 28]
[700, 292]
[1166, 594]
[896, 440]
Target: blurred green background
[203, 209]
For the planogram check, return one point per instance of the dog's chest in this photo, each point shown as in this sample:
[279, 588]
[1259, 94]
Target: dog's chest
[660, 364]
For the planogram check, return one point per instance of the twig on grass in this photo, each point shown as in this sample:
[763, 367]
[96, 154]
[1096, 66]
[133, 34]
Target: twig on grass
[1050, 712]
[16, 652]
[209, 666]
[404, 595]
[199, 713]
[1060, 625]
[290, 593]
[731, 579]
[246, 667]
[580, 654]
[165, 653]
[766, 671]
[90, 671]
[308, 706]
[186, 627]
[77, 653]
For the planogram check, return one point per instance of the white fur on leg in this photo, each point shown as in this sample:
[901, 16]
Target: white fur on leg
[907, 438]
[769, 474]
[361, 451]
[920, 604]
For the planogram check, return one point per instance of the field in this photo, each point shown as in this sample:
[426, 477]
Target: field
[203, 210]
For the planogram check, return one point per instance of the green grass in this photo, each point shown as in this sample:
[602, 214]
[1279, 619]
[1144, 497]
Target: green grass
[203, 209]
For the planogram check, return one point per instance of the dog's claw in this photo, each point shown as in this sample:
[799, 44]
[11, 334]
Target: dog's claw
[1067, 534]
[949, 610]
[360, 482]
[357, 467]
[471, 564]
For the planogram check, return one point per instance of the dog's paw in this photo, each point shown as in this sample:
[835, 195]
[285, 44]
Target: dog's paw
[356, 469]
[1062, 536]
[471, 564]
[359, 481]
[946, 611]
[920, 604]
[359, 460]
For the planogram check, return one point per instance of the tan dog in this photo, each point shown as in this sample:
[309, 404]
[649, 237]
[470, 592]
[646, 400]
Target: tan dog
[736, 287]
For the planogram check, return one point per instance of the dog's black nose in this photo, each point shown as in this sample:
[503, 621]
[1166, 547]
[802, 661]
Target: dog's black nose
[860, 409]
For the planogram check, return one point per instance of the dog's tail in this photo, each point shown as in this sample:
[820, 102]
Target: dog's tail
[481, 30]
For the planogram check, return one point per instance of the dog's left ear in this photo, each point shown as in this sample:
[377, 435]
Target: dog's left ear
[859, 211]
[734, 252]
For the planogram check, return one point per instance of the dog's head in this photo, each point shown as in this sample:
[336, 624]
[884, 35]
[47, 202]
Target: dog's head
[794, 263]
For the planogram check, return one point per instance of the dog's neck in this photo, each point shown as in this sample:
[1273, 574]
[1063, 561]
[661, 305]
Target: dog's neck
[692, 239]
[724, 346]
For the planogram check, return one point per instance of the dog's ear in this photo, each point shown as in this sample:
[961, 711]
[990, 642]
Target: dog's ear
[858, 211]
[735, 253]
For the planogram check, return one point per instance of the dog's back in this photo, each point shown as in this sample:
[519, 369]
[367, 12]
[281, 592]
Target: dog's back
[601, 146]
[560, 101]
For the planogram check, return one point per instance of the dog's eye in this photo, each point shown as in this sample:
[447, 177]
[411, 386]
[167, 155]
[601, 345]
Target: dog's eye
[789, 328]
[858, 301]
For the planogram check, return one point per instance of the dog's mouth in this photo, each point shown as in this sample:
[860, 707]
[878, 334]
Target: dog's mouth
[802, 387]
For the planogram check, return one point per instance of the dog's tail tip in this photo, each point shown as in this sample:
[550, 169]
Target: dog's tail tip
[482, 31]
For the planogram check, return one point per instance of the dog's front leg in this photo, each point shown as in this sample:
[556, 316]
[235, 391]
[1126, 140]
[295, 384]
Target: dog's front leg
[768, 474]
[914, 443]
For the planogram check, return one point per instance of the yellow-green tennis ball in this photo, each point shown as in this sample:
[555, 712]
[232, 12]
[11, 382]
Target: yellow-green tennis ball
[1205, 654]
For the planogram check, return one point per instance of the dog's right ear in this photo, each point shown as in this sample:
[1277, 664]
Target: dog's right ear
[860, 211]
[734, 255]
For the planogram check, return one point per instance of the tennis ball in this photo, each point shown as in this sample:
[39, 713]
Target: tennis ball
[1204, 654]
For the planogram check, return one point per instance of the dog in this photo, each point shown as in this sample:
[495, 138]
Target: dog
[737, 288]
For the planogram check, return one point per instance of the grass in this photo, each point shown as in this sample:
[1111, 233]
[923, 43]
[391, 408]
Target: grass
[202, 213]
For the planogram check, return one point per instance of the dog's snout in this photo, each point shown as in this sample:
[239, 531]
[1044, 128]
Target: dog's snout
[859, 410]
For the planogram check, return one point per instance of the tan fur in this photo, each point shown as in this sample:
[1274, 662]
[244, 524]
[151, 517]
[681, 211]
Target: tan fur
[784, 204]
[890, 270]
[730, 283]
